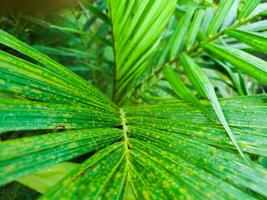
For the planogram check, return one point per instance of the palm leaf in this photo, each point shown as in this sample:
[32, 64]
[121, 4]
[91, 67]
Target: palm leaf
[111, 158]
[220, 15]
[256, 40]
[248, 7]
[181, 90]
[194, 28]
[52, 69]
[28, 115]
[180, 33]
[245, 62]
[201, 81]
[136, 29]
[183, 118]
[162, 162]
[23, 156]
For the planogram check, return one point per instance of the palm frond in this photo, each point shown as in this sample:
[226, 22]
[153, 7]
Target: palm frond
[23, 156]
[136, 30]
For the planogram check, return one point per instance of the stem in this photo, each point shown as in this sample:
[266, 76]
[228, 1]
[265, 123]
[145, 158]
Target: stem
[125, 136]
[125, 129]
[126, 144]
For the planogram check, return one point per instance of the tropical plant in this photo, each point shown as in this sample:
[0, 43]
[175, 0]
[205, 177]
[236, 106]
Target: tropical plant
[185, 120]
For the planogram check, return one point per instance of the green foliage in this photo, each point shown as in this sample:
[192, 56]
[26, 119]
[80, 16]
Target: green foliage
[243, 61]
[201, 81]
[219, 16]
[255, 40]
[187, 120]
[248, 7]
[42, 180]
[136, 30]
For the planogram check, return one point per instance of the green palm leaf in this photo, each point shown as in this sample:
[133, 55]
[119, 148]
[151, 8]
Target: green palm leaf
[162, 149]
[179, 35]
[160, 162]
[243, 61]
[181, 90]
[248, 7]
[111, 158]
[201, 81]
[52, 69]
[218, 18]
[136, 29]
[22, 156]
[194, 28]
[28, 115]
[256, 40]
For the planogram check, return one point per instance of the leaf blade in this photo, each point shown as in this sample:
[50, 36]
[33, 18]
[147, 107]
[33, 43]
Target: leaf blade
[137, 28]
[256, 40]
[248, 8]
[201, 80]
[23, 156]
[245, 62]
[217, 20]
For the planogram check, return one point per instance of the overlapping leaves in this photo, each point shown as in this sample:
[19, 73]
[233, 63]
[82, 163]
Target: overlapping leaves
[167, 150]
[137, 26]
[168, 157]
[214, 25]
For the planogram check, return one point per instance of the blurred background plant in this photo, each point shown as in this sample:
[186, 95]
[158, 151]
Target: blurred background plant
[78, 37]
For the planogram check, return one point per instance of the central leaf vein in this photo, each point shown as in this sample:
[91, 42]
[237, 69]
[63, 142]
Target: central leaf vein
[125, 129]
